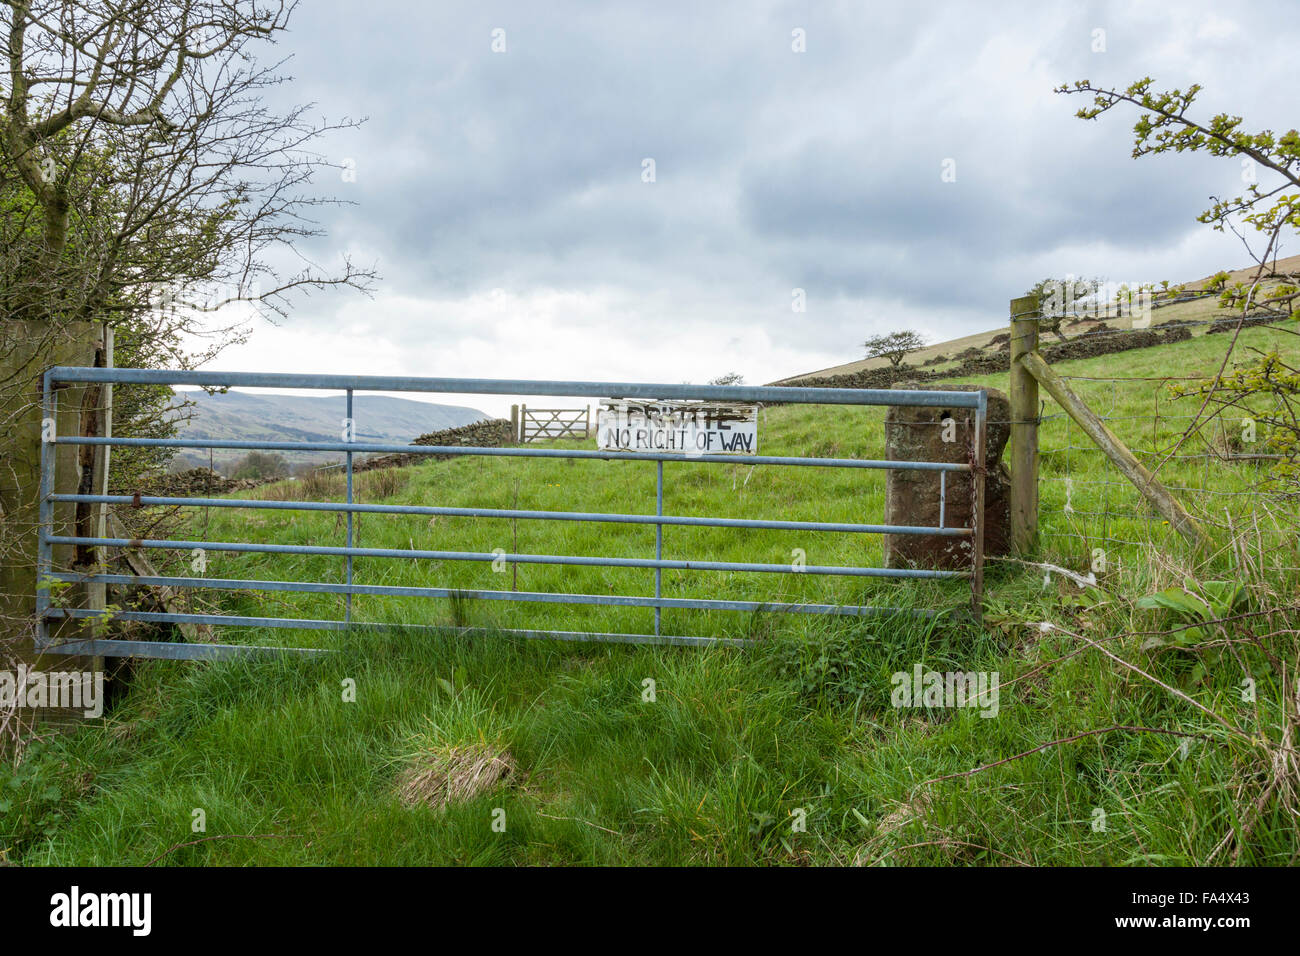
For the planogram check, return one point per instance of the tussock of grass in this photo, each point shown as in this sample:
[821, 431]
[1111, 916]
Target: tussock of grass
[377, 485]
[439, 777]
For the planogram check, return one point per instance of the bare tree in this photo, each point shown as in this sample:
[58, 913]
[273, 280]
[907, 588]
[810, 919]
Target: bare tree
[147, 183]
[154, 177]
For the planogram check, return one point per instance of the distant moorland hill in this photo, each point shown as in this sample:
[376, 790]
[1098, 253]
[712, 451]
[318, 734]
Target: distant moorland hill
[241, 415]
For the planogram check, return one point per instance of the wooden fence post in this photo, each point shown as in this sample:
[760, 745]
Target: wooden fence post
[1023, 393]
[96, 421]
[514, 423]
[978, 525]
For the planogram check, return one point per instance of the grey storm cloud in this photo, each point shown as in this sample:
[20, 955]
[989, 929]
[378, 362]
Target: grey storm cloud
[522, 170]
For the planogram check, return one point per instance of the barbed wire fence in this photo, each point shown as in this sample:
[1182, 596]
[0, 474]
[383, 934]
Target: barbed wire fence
[1214, 461]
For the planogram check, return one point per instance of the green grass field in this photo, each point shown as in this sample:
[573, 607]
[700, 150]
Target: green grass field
[788, 752]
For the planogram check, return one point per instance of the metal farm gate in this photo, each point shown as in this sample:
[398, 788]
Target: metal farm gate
[48, 612]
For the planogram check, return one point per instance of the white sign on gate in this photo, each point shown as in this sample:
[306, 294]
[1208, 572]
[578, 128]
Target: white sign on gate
[683, 428]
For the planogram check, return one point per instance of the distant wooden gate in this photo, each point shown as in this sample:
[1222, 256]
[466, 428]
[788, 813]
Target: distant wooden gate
[536, 424]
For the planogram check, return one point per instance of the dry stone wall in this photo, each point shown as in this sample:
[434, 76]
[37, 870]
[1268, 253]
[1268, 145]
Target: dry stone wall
[978, 362]
[195, 483]
[490, 433]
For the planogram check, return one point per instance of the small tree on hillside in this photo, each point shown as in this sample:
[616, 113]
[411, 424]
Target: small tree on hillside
[895, 346]
[1057, 299]
[731, 378]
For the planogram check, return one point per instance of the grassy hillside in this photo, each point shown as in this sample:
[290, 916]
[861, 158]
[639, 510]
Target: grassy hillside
[1195, 310]
[736, 746]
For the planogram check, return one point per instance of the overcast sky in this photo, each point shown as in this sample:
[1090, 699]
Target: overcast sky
[502, 195]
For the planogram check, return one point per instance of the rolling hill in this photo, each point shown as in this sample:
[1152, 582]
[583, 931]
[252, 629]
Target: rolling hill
[1194, 310]
[242, 415]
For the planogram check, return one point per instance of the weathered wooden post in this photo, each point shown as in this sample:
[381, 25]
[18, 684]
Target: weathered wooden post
[1023, 393]
[979, 443]
[93, 461]
[523, 423]
[514, 423]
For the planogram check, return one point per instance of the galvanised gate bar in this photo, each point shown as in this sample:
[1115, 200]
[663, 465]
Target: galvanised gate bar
[975, 401]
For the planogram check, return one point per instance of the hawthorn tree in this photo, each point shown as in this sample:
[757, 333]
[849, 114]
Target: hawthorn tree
[894, 346]
[1057, 297]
